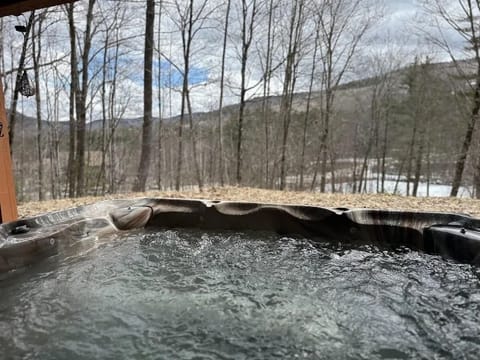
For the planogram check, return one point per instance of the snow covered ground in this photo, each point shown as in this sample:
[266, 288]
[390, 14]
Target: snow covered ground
[433, 190]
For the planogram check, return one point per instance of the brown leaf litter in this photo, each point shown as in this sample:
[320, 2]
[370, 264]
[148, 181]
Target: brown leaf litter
[372, 201]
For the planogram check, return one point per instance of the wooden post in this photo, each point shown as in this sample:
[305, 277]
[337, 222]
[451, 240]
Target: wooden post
[8, 202]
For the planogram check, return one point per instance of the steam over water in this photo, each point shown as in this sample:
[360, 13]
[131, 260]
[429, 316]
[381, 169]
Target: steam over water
[196, 295]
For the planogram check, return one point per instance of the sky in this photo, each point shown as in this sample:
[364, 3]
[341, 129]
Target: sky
[399, 16]
[407, 20]
[402, 8]
[401, 31]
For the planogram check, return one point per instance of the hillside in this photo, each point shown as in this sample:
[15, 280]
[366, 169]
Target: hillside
[347, 92]
[390, 133]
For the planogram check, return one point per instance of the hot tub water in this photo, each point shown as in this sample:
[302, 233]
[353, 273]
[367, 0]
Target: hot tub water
[240, 295]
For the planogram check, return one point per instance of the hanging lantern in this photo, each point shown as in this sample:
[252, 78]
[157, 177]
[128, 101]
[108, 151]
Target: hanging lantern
[25, 88]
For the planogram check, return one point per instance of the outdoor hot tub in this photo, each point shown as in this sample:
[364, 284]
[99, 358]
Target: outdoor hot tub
[168, 278]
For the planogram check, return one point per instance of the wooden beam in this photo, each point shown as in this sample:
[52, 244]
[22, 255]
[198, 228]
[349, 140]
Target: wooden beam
[8, 202]
[12, 7]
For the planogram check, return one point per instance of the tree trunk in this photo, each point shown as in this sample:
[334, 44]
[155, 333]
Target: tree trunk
[324, 140]
[36, 57]
[384, 150]
[74, 86]
[467, 141]
[160, 106]
[419, 159]
[144, 165]
[198, 172]
[247, 36]
[221, 165]
[101, 179]
[267, 77]
[476, 181]
[411, 156]
[289, 82]
[81, 93]
[307, 111]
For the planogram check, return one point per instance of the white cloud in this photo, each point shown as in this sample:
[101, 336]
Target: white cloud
[398, 29]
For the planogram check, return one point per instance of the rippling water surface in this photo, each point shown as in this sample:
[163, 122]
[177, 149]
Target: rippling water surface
[196, 295]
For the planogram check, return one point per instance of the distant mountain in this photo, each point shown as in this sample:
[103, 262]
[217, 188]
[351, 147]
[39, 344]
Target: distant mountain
[345, 92]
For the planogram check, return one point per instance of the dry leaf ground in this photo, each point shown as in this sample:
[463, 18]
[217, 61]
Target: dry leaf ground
[465, 206]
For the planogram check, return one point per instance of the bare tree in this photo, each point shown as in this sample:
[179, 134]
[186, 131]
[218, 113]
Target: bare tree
[189, 20]
[78, 97]
[374, 135]
[221, 156]
[36, 50]
[462, 17]
[74, 85]
[267, 78]
[113, 21]
[295, 39]
[249, 12]
[144, 165]
[160, 155]
[306, 118]
[343, 24]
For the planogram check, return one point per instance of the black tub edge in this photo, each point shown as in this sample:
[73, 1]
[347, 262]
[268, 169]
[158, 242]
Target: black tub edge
[450, 235]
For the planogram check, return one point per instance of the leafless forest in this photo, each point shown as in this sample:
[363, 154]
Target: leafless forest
[281, 94]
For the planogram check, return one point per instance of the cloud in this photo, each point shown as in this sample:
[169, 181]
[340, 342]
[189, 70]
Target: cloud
[398, 32]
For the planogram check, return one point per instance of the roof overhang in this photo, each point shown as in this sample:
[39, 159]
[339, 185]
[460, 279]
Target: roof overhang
[12, 7]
